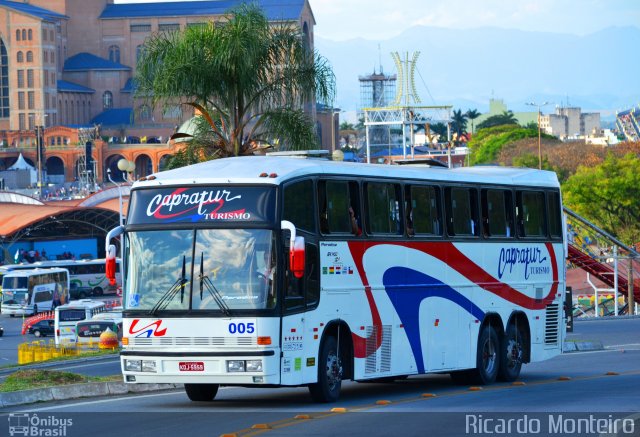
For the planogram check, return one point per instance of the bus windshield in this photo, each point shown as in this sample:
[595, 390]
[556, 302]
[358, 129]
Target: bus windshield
[10, 297]
[201, 269]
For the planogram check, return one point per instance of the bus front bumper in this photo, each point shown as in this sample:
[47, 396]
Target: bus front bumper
[228, 368]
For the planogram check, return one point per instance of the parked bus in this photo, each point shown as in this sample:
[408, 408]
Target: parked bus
[32, 291]
[275, 271]
[86, 274]
[67, 316]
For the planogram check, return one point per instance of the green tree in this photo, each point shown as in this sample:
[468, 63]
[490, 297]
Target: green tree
[472, 114]
[487, 143]
[607, 194]
[507, 117]
[249, 79]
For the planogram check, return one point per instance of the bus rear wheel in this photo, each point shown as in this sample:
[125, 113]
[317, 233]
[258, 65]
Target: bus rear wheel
[201, 392]
[511, 353]
[327, 389]
[97, 291]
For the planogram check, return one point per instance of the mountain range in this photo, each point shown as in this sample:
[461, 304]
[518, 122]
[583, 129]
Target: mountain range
[466, 68]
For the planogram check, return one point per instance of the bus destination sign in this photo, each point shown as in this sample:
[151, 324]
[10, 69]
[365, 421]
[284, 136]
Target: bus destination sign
[201, 204]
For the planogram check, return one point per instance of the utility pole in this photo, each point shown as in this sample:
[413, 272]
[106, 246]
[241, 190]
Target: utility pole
[630, 300]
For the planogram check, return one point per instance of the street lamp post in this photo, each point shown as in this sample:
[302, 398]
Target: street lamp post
[119, 194]
[539, 131]
[333, 128]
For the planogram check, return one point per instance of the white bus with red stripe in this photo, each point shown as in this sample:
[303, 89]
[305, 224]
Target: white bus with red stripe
[280, 271]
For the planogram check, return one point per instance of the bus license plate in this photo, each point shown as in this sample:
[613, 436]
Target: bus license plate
[191, 366]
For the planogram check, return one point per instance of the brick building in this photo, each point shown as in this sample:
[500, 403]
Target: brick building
[70, 63]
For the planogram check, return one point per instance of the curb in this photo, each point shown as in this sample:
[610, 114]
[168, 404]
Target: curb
[582, 346]
[75, 391]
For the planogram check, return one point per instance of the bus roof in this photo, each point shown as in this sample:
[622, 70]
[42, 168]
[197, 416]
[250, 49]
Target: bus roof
[31, 272]
[81, 304]
[248, 170]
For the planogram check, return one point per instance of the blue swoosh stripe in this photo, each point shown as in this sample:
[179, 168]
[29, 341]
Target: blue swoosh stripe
[406, 289]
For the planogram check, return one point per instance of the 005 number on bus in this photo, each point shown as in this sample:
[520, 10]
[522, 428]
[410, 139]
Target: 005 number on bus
[242, 328]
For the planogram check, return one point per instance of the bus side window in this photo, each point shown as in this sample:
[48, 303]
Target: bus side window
[531, 213]
[462, 211]
[297, 198]
[422, 210]
[497, 220]
[336, 201]
[383, 208]
[555, 215]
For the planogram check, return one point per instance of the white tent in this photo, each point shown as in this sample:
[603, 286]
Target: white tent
[21, 164]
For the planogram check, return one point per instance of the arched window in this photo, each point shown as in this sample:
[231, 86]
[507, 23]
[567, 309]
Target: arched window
[29, 56]
[17, 34]
[30, 35]
[107, 100]
[114, 54]
[20, 57]
[4, 81]
[24, 34]
[144, 113]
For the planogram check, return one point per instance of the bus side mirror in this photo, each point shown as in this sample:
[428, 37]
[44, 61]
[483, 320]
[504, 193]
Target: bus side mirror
[296, 249]
[296, 257]
[110, 268]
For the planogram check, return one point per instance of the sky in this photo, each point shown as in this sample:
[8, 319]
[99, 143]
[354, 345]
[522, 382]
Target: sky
[382, 19]
[378, 20]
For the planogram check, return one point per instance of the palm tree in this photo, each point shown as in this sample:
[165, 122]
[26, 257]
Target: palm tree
[472, 114]
[249, 79]
[458, 123]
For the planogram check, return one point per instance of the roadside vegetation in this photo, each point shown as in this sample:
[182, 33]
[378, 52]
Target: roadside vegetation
[35, 378]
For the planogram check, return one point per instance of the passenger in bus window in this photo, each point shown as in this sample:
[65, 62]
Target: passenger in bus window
[409, 220]
[355, 226]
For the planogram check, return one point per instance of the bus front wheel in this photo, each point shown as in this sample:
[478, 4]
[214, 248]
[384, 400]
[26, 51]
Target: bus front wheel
[35, 310]
[201, 392]
[327, 389]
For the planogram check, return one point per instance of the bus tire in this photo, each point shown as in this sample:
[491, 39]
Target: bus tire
[511, 353]
[327, 389]
[201, 392]
[35, 310]
[487, 357]
[97, 291]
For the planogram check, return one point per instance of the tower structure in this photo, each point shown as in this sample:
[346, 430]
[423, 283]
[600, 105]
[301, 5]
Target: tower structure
[405, 111]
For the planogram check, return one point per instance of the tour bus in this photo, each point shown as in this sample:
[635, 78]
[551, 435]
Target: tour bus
[67, 316]
[83, 273]
[26, 292]
[281, 271]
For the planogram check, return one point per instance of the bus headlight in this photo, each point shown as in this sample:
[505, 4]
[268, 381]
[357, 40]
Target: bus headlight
[133, 365]
[148, 366]
[235, 366]
[254, 365]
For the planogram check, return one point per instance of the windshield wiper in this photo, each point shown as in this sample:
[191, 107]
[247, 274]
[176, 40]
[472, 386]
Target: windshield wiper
[172, 291]
[213, 291]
